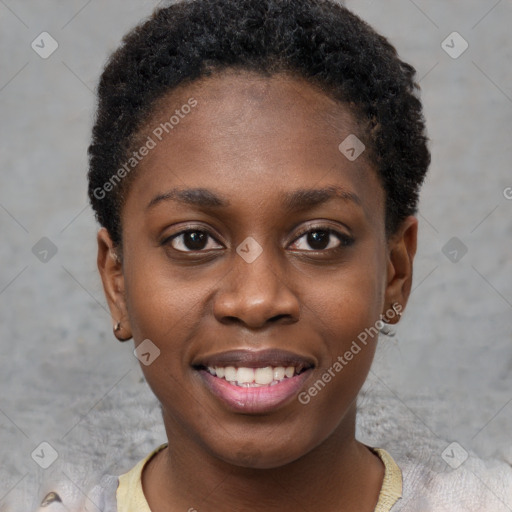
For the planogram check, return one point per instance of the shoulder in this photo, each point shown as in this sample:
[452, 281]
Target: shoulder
[475, 485]
[102, 496]
[64, 497]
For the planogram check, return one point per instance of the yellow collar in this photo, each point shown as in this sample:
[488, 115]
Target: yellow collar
[130, 495]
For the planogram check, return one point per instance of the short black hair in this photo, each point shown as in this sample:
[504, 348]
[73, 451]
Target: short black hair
[318, 40]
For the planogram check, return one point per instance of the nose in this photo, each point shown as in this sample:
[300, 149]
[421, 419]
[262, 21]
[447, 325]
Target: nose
[256, 293]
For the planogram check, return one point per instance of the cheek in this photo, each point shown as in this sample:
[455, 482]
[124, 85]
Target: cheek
[347, 302]
[344, 308]
[167, 308]
[167, 311]
[332, 394]
[160, 305]
[346, 318]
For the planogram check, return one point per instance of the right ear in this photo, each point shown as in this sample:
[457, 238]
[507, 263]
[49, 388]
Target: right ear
[112, 277]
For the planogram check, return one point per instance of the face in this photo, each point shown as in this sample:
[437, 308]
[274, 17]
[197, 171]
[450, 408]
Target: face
[254, 257]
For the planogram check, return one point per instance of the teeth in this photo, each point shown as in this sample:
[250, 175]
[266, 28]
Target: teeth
[253, 377]
[244, 375]
[264, 375]
[230, 373]
[290, 370]
[279, 373]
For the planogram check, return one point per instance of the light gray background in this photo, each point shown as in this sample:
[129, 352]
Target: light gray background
[63, 377]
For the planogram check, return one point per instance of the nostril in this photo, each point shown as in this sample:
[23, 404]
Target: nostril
[229, 320]
[278, 317]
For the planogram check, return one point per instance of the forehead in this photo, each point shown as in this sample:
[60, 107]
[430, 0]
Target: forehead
[234, 100]
[251, 132]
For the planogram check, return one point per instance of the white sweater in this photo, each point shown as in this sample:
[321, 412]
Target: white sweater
[430, 482]
[475, 486]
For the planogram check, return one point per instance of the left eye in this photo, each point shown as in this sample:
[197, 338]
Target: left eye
[320, 239]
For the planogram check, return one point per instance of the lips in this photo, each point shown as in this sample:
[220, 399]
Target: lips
[255, 359]
[254, 381]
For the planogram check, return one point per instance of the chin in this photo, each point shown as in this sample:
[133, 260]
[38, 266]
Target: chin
[259, 454]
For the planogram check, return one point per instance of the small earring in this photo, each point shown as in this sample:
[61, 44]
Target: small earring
[117, 328]
[385, 328]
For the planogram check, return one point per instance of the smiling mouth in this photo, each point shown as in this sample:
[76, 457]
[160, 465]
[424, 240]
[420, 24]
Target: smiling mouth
[254, 377]
[254, 381]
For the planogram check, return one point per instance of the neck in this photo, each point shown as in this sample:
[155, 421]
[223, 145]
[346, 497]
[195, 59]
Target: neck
[339, 475]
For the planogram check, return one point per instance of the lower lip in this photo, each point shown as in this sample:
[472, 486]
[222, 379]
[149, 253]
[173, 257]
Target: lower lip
[254, 400]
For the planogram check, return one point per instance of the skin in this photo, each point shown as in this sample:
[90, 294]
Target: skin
[250, 140]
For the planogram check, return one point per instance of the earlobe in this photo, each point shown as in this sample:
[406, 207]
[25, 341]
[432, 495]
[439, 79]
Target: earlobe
[111, 272]
[401, 251]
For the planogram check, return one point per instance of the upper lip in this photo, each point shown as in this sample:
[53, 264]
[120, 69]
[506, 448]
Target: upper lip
[254, 359]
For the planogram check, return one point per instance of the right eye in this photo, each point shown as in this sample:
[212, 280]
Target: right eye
[191, 240]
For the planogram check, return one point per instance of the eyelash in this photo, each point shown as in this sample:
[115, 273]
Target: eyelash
[345, 240]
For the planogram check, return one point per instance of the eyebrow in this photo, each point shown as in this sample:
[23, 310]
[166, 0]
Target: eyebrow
[300, 199]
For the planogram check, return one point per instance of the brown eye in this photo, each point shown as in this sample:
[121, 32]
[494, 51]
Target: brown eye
[318, 240]
[321, 239]
[191, 240]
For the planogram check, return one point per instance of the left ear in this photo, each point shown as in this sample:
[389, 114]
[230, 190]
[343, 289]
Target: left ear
[401, 251]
